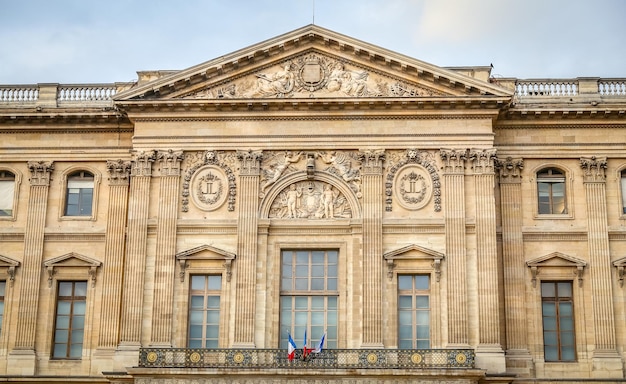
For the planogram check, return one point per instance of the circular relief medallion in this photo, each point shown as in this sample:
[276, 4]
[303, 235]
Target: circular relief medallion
[372, 358]
[238, 357]
[413, 187]
[152, 357]
[208, 188]
[416, 358]
[194, 357]
[461, 358]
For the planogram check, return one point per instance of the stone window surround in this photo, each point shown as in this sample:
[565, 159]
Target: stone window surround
[16, 191]
[97, 177]
[569, 194]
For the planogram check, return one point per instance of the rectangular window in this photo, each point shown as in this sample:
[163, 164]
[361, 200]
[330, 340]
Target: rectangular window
[413, 311]
[624, 192]
[204, 311]
[3, 286]
[551, 192]
[309, 296]
[557, 307]
[69, 325]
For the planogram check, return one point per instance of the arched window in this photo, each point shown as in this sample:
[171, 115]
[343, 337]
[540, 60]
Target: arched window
[551, 191]
[7, 193]
[79, 197]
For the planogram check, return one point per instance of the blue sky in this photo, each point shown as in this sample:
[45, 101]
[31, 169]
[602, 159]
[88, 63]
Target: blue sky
[104, 41]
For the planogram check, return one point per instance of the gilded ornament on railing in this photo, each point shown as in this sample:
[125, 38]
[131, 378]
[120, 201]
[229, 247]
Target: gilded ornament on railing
[310, 200]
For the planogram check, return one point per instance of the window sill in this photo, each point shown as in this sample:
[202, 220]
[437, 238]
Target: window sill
[77, 218]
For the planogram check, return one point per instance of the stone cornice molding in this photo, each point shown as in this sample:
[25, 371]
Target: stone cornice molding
[510, 170]
[405, 253]
[557, 260]
[40, 172]
[142, 163]
[371, 161]
[185, 257]
[483, 160]
[169, 162]
[249, 162]
[453, 160]
[593, 169]
[119, 172]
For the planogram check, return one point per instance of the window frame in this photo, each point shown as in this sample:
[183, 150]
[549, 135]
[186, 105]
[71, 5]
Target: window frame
[65, 191]
[568, 191]
[621, 177]
[73, 299]
[207, 292]
[558, 320]
[17, 181]
[294, 295]
[414, 293]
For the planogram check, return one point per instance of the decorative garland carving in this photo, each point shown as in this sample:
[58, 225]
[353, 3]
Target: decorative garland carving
[206, 158]
[412, 156]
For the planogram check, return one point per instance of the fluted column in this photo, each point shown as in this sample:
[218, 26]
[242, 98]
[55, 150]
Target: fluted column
[113, 266]
[134, 271]
[513, 263]
[456, 258]
[163, 305]
[247, 233]
[486, 247]
[599, 255]
[373, 263]
[33, 254]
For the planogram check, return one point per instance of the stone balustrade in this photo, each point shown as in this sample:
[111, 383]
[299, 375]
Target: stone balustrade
[86, 92]
[57, 95]
[553, 88]
[18, 93]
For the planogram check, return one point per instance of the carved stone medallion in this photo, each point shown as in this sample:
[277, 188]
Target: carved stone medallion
[413, 187]
[310, 200]
[209, 188]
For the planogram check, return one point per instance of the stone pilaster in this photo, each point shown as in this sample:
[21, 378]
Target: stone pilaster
[28, 300]
[456, 257]
[489, 353]
[247, 233]
[518, 357]
[135, 266]
[163, 305]
[605, 356]
[373, 263]
[113, 266]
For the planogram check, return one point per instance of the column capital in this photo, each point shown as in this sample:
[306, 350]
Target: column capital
[142, 163]
[453, 160]
[482, 160]
[40, 172]
[510, 169]
[372, 161]
[169, 162]
[119, 172]
[593, 169]
[250, 162]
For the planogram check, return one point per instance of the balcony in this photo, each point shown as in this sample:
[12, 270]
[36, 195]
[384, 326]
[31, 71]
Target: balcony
[337, 359]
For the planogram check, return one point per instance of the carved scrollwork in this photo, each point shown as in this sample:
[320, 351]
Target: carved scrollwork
[209, 181]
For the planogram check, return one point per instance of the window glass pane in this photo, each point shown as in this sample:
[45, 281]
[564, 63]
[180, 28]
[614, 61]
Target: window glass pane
[302, 303]
[195, 343]
[547, 290]
[7, 192]
[285, 302]
[566, 323]
[332, 257]
[565, 309]
[64, 307]
[549, 309]
[332, 284]
[215, 282]
[551, 353]
[195, 331]
[317, 271]
[317, 302]
[317, 284]
[423, 332]
[317, 257]
[60, 350]
[405, 344]
[212, 332]
[564, 289]
[76, 351]
[61, 336]
[549, 323]
[79, 308]
[2, 288]
[77, 336]
[405, 302]
[568, 354]
[211, 344]
[213, 317]
[405, 282]
[63, 322]
[550, 338]
[78, 322]
[423, 344]
[302, 257]
[421, 282]
[197, 282]
[332, 302]
[80, 289]
[623, 191]
[302, 270]
[405, 332]
[197, 302]
[332, 271]
[302, 284]
[213, 302]
[423, 317]
[196, 317]
[405, 317]
[65, 289]
[317, 318]
[421, 302]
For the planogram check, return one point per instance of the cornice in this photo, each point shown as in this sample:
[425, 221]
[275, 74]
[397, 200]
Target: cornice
[543, 113]
[583, 125]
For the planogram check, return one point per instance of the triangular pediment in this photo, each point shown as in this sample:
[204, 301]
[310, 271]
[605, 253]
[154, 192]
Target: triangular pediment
[557, 259]
[413, 252]
[205, 252]
[7, 262]
[72, 259]
[310, 62]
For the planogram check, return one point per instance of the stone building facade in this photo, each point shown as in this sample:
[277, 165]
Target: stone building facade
[431, 224]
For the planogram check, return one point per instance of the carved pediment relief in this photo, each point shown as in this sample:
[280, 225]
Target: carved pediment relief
[204, 252]
[313, 75]
[311, 199]
[557, 260]
[414, 252]
[72, 260]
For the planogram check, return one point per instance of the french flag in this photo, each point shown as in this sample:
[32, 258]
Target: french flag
[291, 348]
[320, 345]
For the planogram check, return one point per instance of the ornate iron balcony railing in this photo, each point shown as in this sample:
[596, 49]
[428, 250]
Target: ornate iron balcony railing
[327, 359]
